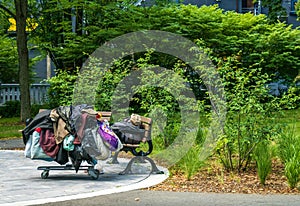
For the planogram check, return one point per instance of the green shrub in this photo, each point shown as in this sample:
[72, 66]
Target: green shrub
[36, 107]
[61, 89]
[291, 99]
[289, 152]
[250, 114]
[263, 159]
[292, 170]
[191, 163]
[10, 109]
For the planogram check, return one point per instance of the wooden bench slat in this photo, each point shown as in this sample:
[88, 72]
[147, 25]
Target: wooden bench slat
[105, 113]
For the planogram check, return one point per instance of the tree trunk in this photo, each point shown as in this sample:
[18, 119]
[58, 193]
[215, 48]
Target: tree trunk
[21, 15]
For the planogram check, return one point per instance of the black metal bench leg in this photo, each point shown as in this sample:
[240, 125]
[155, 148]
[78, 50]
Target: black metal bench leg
[141, 159]
[114, 159]
[153, 166]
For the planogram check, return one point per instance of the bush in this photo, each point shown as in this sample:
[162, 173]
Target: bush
[61, 89]
[10, 109]
[292, 171]
[191, 163]
[250, 115]
[36, 107]
[13, 109]
[289, 152]
[263, 159]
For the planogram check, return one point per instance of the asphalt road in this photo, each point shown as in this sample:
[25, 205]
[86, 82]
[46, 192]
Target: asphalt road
[156, 198]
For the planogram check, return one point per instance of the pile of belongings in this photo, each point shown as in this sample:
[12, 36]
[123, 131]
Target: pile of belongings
[70, 132]
[130, 130]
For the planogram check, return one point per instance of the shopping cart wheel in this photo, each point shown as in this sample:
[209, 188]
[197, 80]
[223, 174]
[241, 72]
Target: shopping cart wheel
[45, 174]
[93, 173]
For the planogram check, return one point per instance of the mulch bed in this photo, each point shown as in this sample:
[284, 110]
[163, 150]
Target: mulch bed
[215, 179]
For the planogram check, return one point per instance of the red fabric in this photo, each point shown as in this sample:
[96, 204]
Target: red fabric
[98, 116]
[76, 141]
[38, 129]
[48, 143]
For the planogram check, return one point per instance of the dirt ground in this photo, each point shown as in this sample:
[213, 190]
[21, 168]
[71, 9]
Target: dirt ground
[214, 179]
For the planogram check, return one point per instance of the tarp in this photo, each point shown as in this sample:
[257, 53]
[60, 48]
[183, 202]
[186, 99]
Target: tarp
[41, 120]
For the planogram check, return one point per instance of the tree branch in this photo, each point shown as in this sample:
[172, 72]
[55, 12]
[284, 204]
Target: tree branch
[8, 11]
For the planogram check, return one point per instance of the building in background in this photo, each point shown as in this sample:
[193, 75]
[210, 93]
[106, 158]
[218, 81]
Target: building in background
[240, 6]
[244, 6]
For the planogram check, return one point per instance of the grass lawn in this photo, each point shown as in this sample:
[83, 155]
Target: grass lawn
[9, 128]
[292, 119]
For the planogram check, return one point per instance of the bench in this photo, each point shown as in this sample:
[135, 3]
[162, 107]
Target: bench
[139, 156]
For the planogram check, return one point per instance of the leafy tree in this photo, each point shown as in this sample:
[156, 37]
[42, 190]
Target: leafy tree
[24, 74]
[252, 39]
[8, 53]
[20, 15]
[70, 40]
[8, 60]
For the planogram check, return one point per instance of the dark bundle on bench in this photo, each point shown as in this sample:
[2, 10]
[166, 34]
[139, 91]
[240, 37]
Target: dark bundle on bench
[131, 145]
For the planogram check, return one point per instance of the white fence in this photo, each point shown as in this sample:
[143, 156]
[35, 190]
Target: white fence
[11, 92]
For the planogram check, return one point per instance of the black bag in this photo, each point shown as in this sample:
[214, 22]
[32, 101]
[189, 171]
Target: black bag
[62, 155]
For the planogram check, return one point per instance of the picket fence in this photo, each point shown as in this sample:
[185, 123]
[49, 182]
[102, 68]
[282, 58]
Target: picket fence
[11, 92]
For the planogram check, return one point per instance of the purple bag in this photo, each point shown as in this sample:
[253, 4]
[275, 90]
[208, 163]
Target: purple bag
[108, 136]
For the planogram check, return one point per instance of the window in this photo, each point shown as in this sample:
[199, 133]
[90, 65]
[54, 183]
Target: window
[248, 6]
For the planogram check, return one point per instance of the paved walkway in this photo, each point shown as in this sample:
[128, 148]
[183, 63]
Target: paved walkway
[21, 182]
[10, 144]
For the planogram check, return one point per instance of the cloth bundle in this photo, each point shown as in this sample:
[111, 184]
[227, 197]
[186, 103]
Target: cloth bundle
[65, 132]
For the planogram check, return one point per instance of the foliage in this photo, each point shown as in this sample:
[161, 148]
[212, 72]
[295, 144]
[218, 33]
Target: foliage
[109, 82]
[79, 28]
[274, 46]
[8, 53]
[4, 23]
[10, 109]
[35, 108]
[289, 153]
[61, 89]
[190, 163]
[263, 158]
[292, 171]
[291, 99]
[297, 8]
[8, 60]
[250, 109]
[255, 43]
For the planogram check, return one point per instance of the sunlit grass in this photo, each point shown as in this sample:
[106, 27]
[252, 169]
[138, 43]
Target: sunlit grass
[291, 118]
[10, 128]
